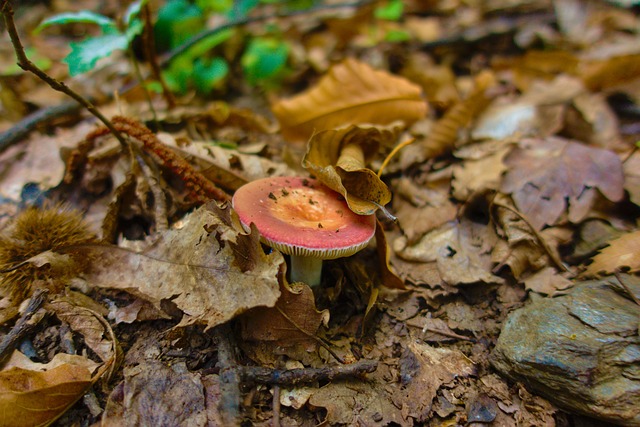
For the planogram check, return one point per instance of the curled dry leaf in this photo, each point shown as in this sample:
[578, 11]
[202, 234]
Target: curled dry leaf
[351, 93]
[546, 175]
[208, 269]
[338, 159]
[621, 252]
[37, 394]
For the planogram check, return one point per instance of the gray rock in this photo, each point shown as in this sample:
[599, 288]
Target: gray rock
[580, 350]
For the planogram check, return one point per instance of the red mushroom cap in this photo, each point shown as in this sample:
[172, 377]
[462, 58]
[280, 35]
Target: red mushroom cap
[302, 217]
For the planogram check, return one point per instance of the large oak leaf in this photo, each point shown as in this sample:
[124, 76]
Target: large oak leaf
[547, 175]
[351, 93]
[208, 269]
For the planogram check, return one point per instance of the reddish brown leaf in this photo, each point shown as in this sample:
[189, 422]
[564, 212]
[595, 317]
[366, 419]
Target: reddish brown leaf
[547, 175]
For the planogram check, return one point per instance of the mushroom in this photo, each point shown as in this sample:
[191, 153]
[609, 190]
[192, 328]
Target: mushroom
[304, 219]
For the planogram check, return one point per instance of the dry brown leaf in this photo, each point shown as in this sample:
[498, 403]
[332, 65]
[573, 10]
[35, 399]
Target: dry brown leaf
[423, 371]
[421, 207]
[621, 252]
[351, 93]
[153, 394]
[338, 158]
[547, 282]
[302, 319]
[479, 174]
[37, 394]
[207, 268]
[606, 73]
[459, 249]
[446, 132]
[437, 81]
[545, 174]
[536, 65]
[95, 331]
[356, 402]
[38, 161]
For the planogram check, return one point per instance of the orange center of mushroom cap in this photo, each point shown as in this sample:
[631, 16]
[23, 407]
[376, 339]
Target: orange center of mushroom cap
[302, 217]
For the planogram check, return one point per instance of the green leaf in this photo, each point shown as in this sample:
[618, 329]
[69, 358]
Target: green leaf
[392, 11]
[85, 54]
[215, 6]
[241, 8]
[133, 11]
[107, 25]
[209, 74]
[397, 36]
[178, 75]
[263, 59]
[177, 21]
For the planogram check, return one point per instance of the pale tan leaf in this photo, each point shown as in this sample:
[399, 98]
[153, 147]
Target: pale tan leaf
[351, 93]
[621, 252]
[37, 394]
[338, 159]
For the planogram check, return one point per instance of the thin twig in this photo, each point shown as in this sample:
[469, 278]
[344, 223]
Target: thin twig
[27, 65]
[289, 377]
[21, 129]
[23, 326]
[313, 337]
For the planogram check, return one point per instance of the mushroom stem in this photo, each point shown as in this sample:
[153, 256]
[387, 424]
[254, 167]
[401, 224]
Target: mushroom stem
[306, 269]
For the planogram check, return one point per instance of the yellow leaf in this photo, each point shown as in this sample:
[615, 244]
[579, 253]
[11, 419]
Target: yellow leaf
[351, 93]
[338, 158]
[621, 252]
[34, 394]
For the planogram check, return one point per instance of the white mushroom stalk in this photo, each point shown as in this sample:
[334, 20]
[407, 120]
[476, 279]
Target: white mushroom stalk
[304, 219]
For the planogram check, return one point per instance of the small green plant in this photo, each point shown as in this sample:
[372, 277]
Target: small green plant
[263, 59]
[86, 53]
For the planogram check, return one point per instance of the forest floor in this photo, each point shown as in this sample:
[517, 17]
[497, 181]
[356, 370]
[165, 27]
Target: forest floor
[495, 142]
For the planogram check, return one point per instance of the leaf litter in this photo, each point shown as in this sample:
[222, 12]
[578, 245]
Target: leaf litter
[515, 159]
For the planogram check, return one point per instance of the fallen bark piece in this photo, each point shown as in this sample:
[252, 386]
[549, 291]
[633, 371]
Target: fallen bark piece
[580, 350]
